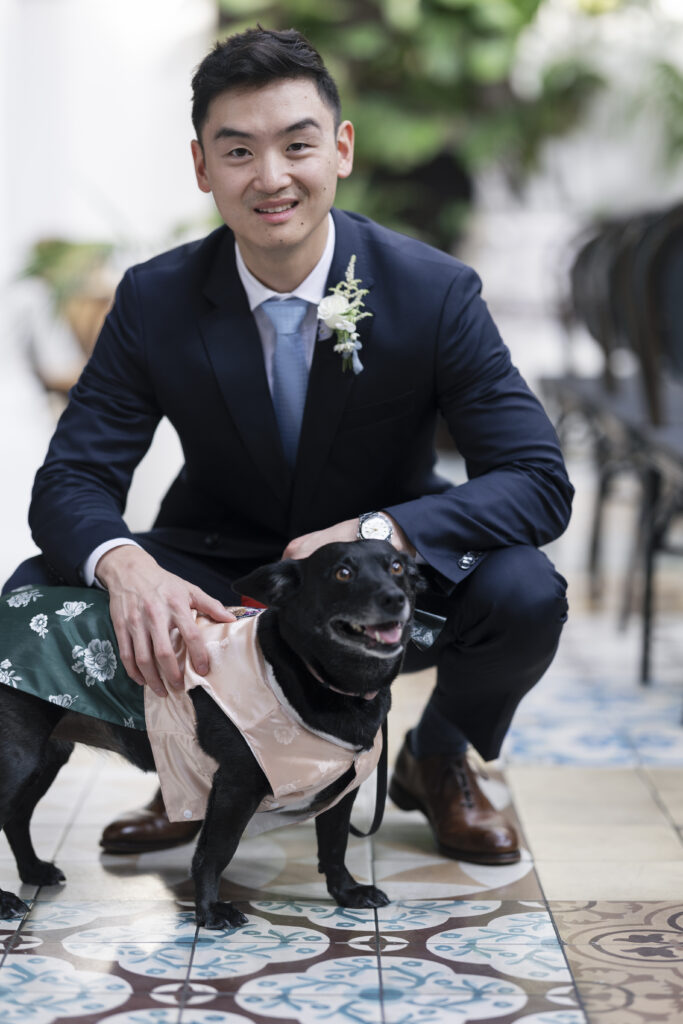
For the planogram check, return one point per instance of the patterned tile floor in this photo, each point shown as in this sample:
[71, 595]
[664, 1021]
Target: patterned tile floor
[587, 929]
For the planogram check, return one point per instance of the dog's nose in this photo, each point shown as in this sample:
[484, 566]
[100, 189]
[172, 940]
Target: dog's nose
[391, 601]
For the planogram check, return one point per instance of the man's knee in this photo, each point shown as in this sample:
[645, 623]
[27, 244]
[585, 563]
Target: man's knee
[520, 588]
[33, 571]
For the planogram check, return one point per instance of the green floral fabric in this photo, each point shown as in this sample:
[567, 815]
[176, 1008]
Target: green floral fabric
[58, 643]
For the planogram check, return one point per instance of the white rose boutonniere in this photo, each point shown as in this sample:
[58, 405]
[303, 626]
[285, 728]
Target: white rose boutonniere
[340, 311]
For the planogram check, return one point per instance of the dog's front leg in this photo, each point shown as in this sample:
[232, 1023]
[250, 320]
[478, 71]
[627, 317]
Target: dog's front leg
[230, 808]
[332, 829]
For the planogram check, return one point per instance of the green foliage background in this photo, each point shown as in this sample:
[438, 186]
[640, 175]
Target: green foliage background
[427, 85]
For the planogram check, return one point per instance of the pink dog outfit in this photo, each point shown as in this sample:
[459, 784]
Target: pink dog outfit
[298, 761]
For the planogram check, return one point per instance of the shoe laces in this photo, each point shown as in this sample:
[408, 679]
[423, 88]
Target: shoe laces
[459, 770]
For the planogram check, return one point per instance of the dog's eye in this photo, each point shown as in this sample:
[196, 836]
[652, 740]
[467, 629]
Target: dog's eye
[343, 574]
[396, 568]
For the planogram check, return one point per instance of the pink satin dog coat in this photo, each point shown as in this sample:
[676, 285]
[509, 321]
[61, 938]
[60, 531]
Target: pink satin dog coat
[297, 761]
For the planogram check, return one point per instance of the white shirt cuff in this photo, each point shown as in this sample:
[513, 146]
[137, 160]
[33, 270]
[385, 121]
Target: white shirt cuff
[89, 565]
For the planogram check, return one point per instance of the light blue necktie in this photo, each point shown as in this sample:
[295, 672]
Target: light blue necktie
[290, 372]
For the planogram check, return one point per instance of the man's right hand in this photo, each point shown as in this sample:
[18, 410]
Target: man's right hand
[146, 603]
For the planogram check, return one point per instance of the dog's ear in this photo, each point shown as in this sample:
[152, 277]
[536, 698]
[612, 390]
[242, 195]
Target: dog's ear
[272, 584]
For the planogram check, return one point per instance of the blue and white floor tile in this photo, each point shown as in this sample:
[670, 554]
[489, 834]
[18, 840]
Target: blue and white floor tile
[429, 960]
[590, 709]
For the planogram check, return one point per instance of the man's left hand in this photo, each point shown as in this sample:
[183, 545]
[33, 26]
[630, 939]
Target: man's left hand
[302, 547]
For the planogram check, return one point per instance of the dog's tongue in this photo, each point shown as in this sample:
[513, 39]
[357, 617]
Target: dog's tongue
[387, 635]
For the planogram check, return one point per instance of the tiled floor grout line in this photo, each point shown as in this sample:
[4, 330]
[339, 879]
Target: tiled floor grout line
[187, 980]
[15, 938]
[87, 788]
[378, 955]
[561, 943]
[654, 792]
[378, 936]
[64, 832]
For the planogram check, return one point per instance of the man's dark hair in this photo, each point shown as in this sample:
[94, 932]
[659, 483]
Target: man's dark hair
[255, 58]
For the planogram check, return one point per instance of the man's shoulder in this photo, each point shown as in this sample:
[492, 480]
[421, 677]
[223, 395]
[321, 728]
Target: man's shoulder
[391, 248]
[187, 260]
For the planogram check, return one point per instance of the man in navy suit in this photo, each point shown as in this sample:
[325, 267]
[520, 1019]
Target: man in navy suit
[191, 337]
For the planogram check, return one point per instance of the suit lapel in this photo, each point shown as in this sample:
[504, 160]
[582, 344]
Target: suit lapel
[234, 348]
[329, 387]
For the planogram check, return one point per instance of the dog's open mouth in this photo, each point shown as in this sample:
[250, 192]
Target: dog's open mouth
[380, 636]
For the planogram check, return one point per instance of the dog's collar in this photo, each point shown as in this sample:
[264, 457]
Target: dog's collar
[293, 713]
[329, 686]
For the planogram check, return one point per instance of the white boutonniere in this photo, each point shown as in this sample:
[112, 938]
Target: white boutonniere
[340, 312]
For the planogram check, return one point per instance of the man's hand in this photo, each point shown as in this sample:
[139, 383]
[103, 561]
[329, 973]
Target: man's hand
[302, 547]
[146, 603]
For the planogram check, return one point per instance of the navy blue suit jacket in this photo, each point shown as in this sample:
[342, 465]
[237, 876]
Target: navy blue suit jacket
[181, 342]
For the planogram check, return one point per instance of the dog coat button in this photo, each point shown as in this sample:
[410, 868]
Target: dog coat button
[187, 814]
[211, 540]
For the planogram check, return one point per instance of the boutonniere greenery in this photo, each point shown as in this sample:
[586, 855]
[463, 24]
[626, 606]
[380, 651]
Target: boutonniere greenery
[340, 312]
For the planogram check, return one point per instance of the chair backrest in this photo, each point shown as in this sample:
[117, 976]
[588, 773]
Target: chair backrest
[595, 275]
[657, 294]
[666, 295]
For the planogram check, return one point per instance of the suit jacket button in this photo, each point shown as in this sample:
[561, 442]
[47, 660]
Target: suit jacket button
[211, 540]
[468, 559]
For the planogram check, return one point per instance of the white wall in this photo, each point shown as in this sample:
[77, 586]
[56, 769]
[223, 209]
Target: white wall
[96, 117]
[94, 144]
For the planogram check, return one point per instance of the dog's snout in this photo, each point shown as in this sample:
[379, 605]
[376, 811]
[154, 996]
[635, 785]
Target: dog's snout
[392, 601]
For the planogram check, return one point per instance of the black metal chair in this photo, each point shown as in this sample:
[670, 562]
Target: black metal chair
[610, 403]
[627, 289]
[657, 336]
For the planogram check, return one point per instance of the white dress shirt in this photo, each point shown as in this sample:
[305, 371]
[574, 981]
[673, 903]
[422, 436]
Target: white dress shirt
[312, 289]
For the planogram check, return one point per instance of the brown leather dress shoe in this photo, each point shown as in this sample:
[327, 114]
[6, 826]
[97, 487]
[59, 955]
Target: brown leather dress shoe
[147, 829]
[465, 824]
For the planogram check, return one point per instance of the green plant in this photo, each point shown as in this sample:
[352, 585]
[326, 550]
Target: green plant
[66, 266]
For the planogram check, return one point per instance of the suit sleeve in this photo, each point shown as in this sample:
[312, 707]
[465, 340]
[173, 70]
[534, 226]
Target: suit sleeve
[80, 492]
[517, 490]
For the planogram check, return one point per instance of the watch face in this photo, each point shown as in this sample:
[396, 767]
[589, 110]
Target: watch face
[376, 528]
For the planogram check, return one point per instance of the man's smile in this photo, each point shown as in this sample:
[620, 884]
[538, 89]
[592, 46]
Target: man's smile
[276, 211]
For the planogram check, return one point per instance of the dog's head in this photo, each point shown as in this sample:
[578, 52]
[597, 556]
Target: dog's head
[345, 610]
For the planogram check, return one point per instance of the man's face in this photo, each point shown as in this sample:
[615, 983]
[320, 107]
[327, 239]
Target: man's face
[271, 158]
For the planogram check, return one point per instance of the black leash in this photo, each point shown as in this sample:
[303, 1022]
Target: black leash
[381, 795]
[425, 630]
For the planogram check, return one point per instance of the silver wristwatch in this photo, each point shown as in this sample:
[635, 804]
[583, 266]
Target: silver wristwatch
[374, 526]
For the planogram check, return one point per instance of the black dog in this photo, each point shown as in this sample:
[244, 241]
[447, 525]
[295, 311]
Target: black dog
[334, 633]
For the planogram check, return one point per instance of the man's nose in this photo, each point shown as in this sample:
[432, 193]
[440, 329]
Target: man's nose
[272, 173]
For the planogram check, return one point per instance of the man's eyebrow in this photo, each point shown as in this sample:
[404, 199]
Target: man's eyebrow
[236, 133]
[231, 133]
[307, 122]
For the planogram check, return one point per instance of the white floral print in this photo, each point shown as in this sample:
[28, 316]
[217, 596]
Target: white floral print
[285, 734]
[97, 660]
[8, 675]
[71, 609]
[65, 700]
[39, 625]
[129, 722]
[23, 597]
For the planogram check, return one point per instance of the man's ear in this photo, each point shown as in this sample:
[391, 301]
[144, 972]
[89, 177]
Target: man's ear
[200, 166]
[272, 585]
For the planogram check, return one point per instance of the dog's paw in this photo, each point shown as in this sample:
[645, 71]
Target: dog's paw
[11, 905]
[359, 896]
[42, 872]
[221, 915]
